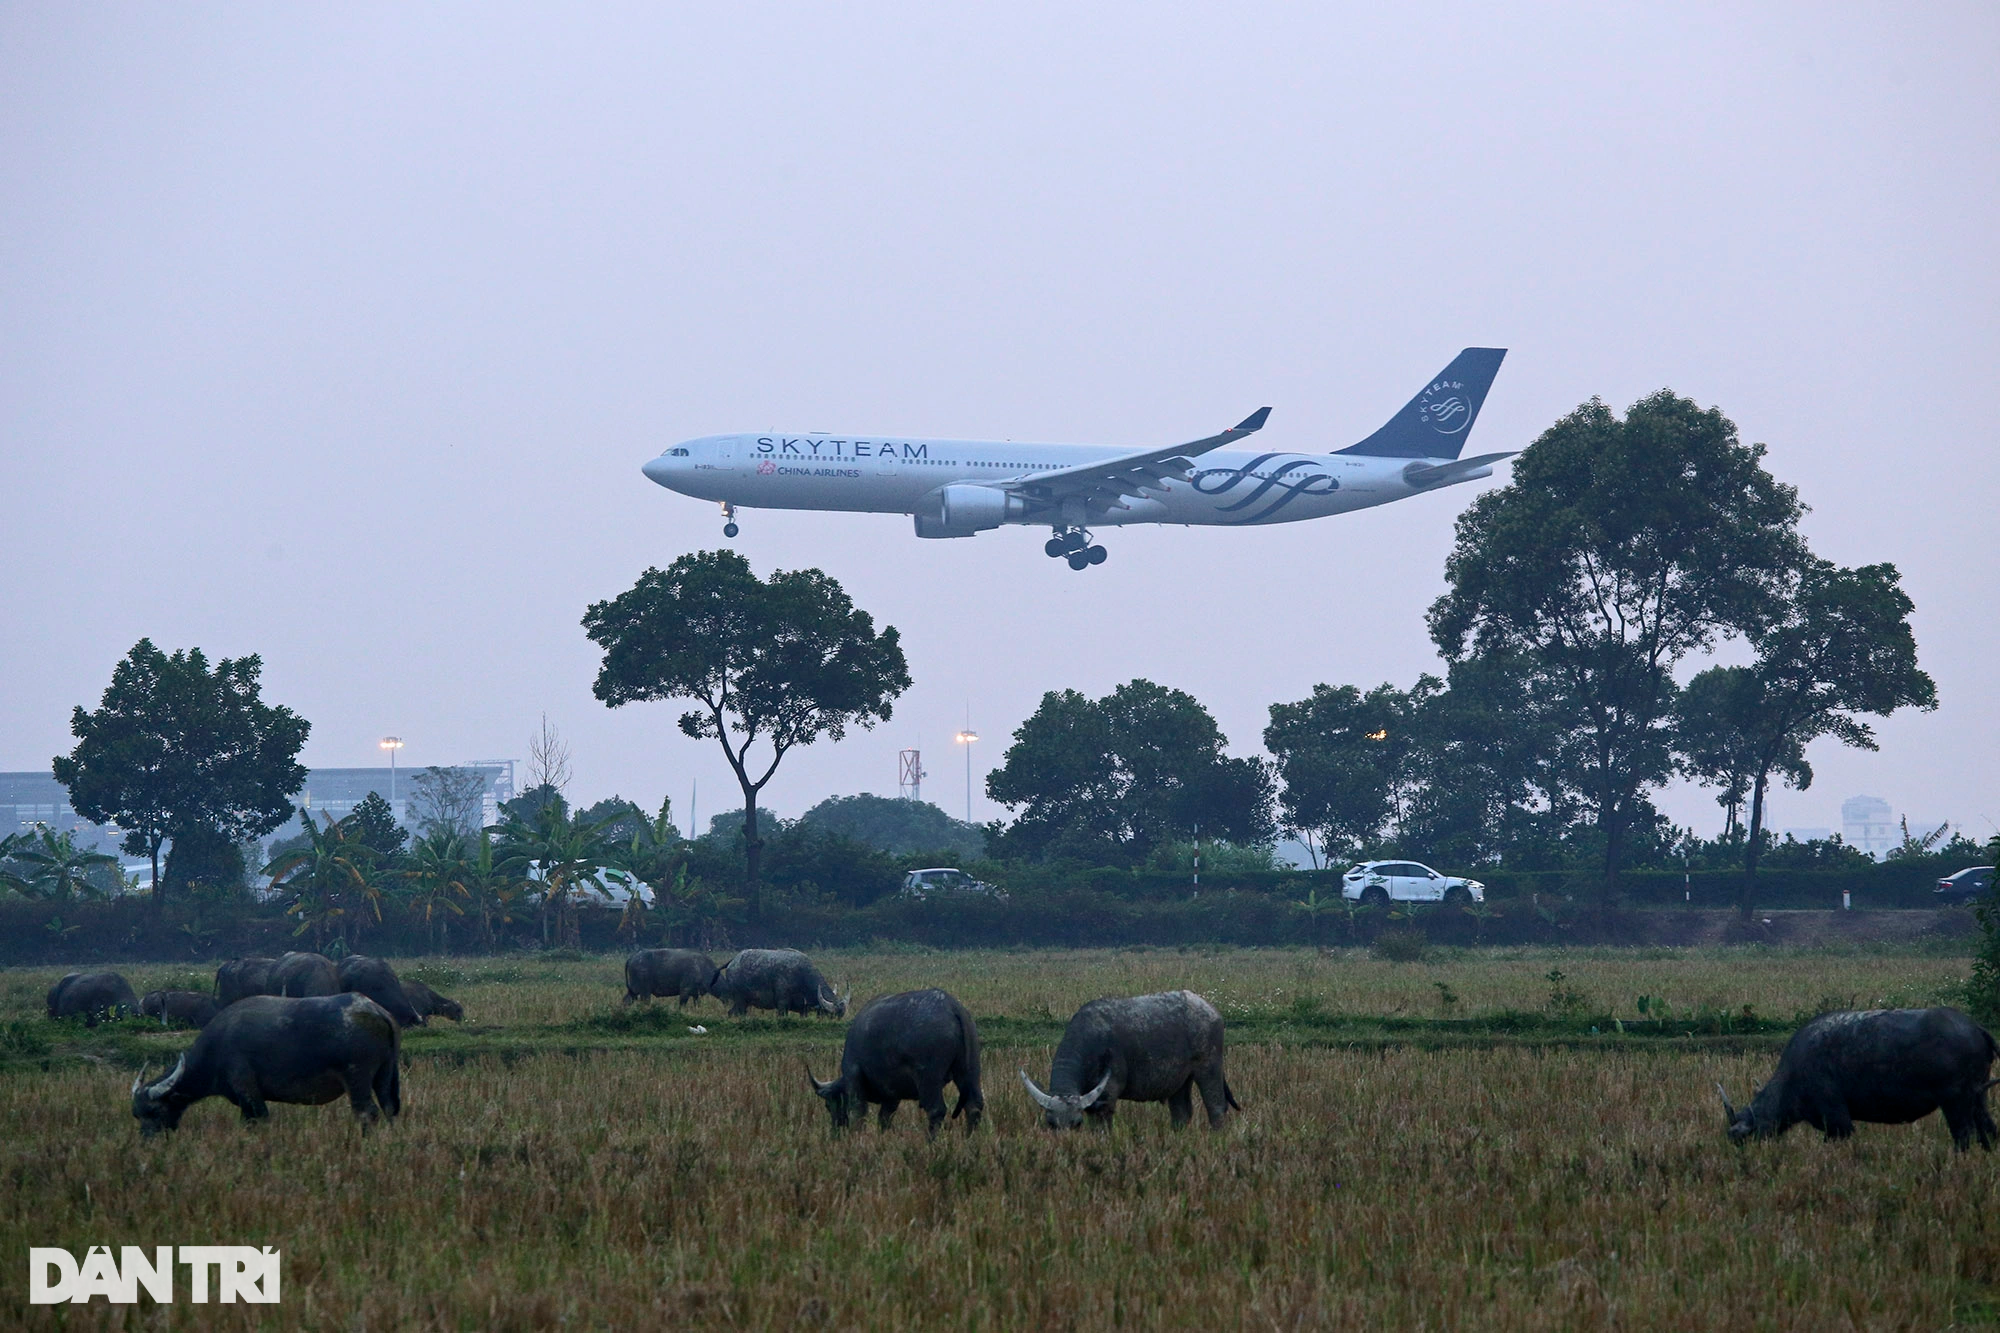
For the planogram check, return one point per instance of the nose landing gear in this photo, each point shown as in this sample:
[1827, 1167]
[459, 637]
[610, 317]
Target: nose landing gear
[1074, 545]
[729, 528]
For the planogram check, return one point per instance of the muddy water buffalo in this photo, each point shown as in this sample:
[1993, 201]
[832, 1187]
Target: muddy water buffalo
[302, 974]
[1148, 1048]
[267, 1048]
[180, 1006]
[783, 980]
[241, 977]
[906, 1048]
[428, 1002]
[688, 973]
[95, 995]
[378, 981]
[1879, 1066]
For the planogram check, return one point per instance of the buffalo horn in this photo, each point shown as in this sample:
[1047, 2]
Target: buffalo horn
[140, 1081]
[821, 1088]
[1089, 1099]
[1048, 1103]
[1727, 1109]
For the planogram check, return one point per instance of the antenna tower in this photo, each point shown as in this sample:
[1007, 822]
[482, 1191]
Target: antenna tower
[910, 774]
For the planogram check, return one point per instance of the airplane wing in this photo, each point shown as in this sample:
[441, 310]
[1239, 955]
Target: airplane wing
[1104, 485]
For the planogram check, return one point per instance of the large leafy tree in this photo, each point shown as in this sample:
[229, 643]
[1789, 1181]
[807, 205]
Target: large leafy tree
[1343, 757]
[1620, 547]
[1119, 776]
[57, 870]
[769, 664]
[1838, 647]
[177, 749]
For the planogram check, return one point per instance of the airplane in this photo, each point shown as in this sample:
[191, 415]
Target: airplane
[957, 488]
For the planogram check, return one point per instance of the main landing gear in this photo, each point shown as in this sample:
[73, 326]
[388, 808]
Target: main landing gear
[1073, 544]
[729, 528]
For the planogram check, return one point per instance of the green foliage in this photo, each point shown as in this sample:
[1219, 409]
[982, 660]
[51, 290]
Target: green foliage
[781, 662]
[1343, 758]
[328, 883]
[372, 825]
[1982, 989]
[559, 854]
[51, 867]
[176, 749]
[896, 826]
[1113, 778]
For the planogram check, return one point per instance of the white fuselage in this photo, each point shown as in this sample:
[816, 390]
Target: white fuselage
[900, 475]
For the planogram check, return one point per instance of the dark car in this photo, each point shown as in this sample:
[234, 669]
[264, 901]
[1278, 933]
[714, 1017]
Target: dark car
[1967, 884]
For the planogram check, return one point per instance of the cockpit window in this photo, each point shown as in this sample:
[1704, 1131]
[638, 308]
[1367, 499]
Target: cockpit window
[677, 453]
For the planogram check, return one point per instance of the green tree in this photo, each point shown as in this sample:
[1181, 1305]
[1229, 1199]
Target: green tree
[59, 871]
[176, 749]
[372, 825]
[781, 662]
[1715, 728]
[1619, 549]
[328, 881]
[1121, 775]
[1343, 758]
[896, 826]
[441, 865]
[559, 853]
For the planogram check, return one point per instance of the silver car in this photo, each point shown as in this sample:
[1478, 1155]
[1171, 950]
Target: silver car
[1379, 883]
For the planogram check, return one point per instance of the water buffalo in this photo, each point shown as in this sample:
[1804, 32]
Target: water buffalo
[301, 974]
[1879, 1066]
[95, 995]
[268, 1048]
[906, 1048]
[783, 980]
[688, 973]
[241, 977]
[378, 981]
[180, 1006]
[428, 1002]
[1148, 1048]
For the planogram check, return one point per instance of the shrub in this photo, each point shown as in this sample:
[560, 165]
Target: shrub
[1400, 944]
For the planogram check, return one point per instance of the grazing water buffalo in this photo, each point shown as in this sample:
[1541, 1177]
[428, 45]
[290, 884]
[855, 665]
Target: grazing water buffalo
[783, 980]
[688, 973]
[906, 1048]
[241, 977]
[1879, 1066]
[180, 1006]
[428, 1002]
[302, 974]
[95, 995]
[1149, 1048]
[267, 1048]
[378, 981]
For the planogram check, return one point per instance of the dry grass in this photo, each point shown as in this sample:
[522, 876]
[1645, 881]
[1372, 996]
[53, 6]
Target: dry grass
[686, 1184]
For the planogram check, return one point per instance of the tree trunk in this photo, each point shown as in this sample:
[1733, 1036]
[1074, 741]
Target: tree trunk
[1745, 896]
[159, 890]
[753, 853]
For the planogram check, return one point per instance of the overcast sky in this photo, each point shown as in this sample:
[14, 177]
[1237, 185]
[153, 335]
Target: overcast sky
[339, 334]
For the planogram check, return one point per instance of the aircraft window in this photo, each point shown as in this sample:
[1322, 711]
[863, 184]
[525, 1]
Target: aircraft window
[677, 453]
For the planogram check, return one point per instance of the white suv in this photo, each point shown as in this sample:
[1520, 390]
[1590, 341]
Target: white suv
[942, 880]
[1379, 883]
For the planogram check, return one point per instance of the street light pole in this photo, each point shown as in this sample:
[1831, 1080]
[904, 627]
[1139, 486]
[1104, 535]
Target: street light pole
[966, 738]
[392, 744]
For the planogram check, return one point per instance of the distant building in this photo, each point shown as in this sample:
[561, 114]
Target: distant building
[28, 799]
[1868, 824]
[336, 791]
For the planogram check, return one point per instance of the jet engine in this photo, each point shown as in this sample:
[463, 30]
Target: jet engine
[965, 508]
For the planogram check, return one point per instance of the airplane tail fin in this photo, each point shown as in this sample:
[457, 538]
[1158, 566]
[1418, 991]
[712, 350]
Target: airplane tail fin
[1435, 423]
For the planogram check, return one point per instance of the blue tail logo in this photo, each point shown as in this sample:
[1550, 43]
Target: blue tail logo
[1435, 422]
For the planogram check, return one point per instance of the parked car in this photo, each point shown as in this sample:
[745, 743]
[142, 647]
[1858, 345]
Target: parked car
[1379, 883]
[943, 880]
[1969, 883]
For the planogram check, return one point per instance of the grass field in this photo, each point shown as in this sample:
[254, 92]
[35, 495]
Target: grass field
[1490, 1162]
